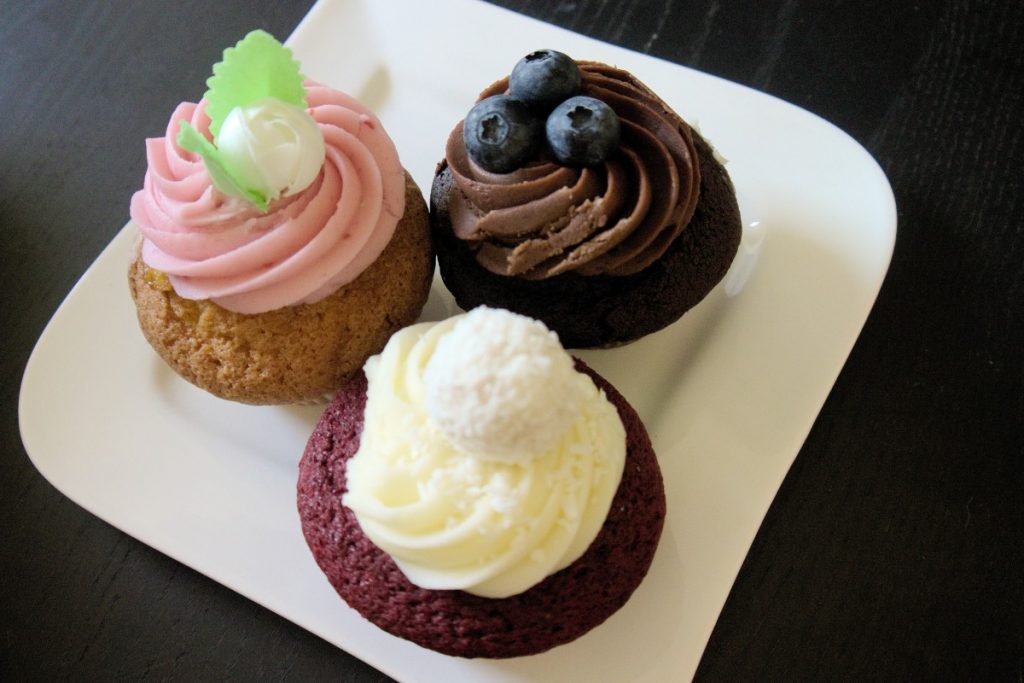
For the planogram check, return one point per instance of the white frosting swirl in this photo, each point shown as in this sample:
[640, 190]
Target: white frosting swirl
[452, 520]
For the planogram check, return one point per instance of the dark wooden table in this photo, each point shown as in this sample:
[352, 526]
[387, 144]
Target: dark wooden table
[895, 549]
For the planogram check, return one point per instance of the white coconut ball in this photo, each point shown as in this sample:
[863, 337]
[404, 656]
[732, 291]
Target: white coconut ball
[500, 386]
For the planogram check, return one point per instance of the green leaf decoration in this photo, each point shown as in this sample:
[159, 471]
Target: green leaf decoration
[257, 67]
[192, 140]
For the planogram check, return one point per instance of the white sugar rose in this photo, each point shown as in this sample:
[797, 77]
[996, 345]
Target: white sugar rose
[273, 147]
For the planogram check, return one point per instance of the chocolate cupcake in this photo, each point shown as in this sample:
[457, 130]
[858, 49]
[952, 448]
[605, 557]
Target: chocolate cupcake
[518, 507]
[281, 240]
[603, 248]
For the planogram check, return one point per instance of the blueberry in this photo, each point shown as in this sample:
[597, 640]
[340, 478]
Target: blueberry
[501, 133]
[544, 78]
[582, 131]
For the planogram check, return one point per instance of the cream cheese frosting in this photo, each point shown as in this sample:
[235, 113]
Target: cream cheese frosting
[467, 513]
[306, 246]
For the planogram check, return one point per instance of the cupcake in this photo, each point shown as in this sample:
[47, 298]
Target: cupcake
[573, 194]
[281, 240]
[479, 492]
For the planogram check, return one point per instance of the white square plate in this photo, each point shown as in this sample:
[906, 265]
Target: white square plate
[729, 393]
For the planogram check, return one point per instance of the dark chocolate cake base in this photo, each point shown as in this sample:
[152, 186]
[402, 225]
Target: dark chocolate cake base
[604, 310]
[559, 609]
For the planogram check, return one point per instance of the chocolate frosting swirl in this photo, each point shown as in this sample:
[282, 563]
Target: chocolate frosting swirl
[617, 218]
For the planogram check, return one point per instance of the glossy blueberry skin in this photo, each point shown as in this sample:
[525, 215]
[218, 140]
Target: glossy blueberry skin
[544, 78]
[502, 133]
[582, 131]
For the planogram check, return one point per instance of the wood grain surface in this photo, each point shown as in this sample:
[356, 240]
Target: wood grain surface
[893, 551]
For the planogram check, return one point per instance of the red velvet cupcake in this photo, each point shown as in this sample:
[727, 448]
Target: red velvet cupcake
[493, 522]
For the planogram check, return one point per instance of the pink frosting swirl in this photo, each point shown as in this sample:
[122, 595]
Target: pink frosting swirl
[305, 247]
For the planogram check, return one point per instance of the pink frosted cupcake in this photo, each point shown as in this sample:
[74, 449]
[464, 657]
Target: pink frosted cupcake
[282, 242]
